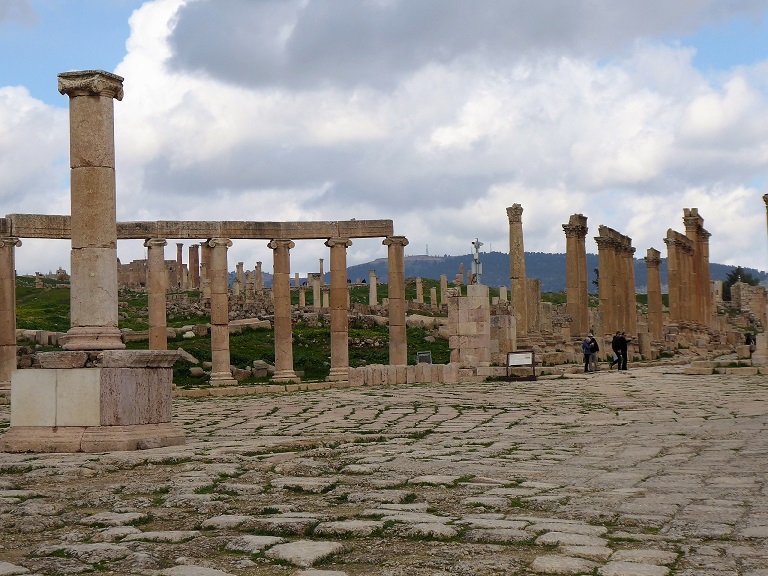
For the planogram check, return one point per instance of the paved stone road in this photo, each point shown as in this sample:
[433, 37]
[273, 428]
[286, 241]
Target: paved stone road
[644, 473]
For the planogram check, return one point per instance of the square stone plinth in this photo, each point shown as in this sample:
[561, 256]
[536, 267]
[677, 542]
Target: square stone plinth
[125, 404]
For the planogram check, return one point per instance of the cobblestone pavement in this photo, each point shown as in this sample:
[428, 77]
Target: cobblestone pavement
[643, 473]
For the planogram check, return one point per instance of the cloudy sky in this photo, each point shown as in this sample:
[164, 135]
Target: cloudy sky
[437, 114]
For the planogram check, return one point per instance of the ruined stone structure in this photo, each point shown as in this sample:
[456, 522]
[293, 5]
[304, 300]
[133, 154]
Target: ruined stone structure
[518, 285]
[617, 281]
[679, 276]
[8, 245]
[576, 279]
[702, 309]
[469, 320]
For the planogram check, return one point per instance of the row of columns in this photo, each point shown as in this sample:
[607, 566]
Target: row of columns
[616, 285]
[701, 306]
[216, 272]
[680, 276]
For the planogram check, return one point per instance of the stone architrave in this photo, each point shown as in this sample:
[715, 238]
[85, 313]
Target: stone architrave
[655, 322]
[281, 295]
[339, 309]
[179, 266]
[221, 374]
[398, 339]
[93, 285]
[419, 291]
[373, 294]
[577, 297]
[157, 286]
[518, 285]
[205, 271]
[8, 247]
[194, 267]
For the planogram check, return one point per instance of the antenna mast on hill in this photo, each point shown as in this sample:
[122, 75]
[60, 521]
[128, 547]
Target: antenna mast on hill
[477, 267]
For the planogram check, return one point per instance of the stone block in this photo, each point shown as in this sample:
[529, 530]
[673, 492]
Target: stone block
[437, 373]
[423, 373]
[697, 371]
[742, 351]
[451, 373]
[52, 360]
[391, 375]
[740, 371]
[78, 397]
[131, 396]
[401, 376]
[410, 374]
[34, 398]
[466, 375]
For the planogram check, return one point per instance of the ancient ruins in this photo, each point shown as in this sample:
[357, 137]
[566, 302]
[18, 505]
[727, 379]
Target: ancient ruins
[94, 395]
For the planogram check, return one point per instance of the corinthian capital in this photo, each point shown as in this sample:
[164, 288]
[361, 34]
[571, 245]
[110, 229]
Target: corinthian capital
[90, 83]
[515, 213]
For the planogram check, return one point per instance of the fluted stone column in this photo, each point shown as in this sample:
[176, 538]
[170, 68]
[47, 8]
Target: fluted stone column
[157, 285]
[93, 296]
[655, 318]
[339, 309]
[577, 297]
[373, 294]
[302, 297]
[398, 339]
[281, 296]
[194, 267]
[518, 285]
[218, 274]
[8, 247]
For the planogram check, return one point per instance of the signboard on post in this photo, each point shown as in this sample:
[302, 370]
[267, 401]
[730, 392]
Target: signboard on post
[521, 358]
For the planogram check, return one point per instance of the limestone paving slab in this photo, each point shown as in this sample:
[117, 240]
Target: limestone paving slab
[304, 553]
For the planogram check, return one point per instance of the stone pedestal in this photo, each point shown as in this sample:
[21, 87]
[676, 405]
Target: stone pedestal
[124, 403]
[469, 326]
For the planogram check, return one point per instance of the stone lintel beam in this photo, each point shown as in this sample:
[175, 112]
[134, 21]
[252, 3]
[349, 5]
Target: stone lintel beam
[58, 227]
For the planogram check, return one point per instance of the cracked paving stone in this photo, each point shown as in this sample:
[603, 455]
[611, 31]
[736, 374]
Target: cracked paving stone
[190, 570]
[227, 521]
[496, 535]
[312, 484]
[429, 530]
[597, 553]
[348, 528]
[168, 537]
[286, 525]
[646, 555]
[632, 569]
[553, 538]
[113, 518]
[252, 544]
[558, 564]
[8, 569]
[383, 496]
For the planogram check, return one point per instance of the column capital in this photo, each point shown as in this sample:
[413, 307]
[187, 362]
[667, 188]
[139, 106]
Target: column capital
[336, 242]
[155, 242]
[515, 213]
[395, 241]
[279, 243]
[12, 241]
[575, 231]
[215, 242]
[90, 83]
[653, 257]
[604, 243]
[765, 199]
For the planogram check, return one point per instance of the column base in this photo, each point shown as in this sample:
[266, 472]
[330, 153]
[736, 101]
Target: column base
[338, 375]
[285, 376]
[92, 338]
[90, 438]
[222, 379]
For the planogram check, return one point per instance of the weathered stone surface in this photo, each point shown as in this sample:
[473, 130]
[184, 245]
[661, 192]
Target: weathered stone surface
[558, 564]
[171, 536]
[632, 569]
[113, 518]
[304, 552]
[550, 538]
[253, 544]
[348, 528]
[8, 569]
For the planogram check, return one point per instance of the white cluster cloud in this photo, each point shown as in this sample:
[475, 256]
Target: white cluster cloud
[437, 115]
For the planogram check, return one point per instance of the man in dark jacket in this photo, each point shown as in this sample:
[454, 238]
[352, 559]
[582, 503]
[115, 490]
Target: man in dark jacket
[623, 342]
[616, 347]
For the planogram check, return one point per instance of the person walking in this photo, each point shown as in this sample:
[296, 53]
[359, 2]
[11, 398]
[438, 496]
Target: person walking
[616, 347]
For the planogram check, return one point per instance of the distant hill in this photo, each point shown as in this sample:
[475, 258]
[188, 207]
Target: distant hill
[550, 268]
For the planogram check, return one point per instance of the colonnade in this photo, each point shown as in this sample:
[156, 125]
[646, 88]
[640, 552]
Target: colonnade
[616, 282]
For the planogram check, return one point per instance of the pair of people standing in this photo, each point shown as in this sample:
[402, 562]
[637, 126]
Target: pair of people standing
[590, 348]
[619, 346]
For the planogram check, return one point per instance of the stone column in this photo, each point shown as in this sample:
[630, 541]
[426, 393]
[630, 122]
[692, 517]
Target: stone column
[8, 247]
[708, 305]
[205, 270]
[220, 371]
[322, 274]
[302, 297]
[419, 291]
[692, 223]
[631, 291]
[443, 287]
[604, 251]
[281, 295]
[259, 278]
[317, 297]
[296, 280]
[179, 266]
[398, 339]
[577, 297]
[503, 294]
[433, 297]
[194, 267]
[339, 310]
[655, 322]
[373, 294]
[518, 286]
[534, 300]
[93, 296]
[157, 285]
[673, 276]
[240, 273]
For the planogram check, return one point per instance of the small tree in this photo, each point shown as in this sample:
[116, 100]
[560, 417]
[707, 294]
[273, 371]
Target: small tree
[738, 274]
